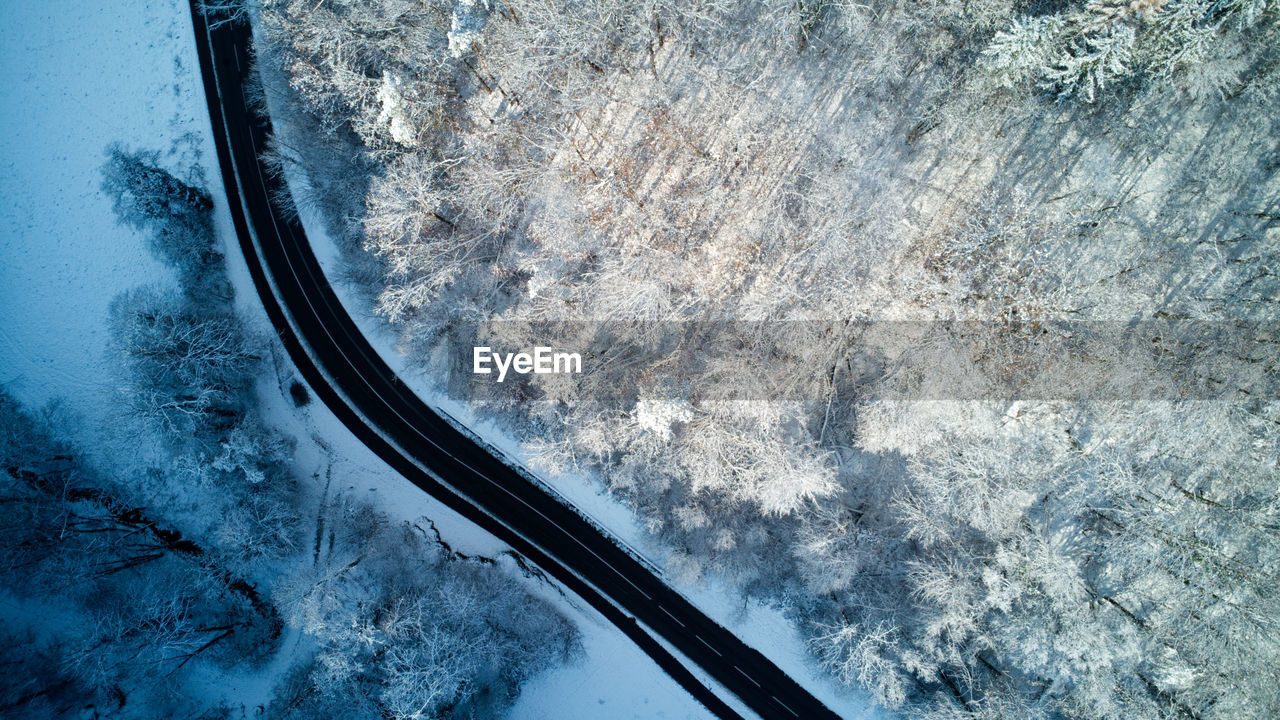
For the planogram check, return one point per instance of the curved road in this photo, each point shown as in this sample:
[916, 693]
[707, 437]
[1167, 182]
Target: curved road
[348, 375]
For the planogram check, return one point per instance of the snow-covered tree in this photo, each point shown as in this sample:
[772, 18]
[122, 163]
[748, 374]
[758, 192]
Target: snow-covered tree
[177, 217]
[407, 630]
[1083, 49]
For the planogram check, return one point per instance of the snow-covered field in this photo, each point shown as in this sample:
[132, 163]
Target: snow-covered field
[81, 76]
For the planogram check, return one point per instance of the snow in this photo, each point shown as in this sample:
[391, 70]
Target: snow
[658, 415]
[612, 679]
[393, 112]
[469, 17]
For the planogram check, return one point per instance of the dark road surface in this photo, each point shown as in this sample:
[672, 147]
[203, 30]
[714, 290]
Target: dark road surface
[348, 375]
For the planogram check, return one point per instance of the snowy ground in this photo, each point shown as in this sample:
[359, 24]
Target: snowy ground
[81, 76]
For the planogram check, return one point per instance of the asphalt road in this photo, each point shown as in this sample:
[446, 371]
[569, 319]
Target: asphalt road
[347, 374]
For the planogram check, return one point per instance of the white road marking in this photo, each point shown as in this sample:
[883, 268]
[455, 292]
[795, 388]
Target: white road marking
[753, 680]
[788, 709]
[673, 617]
[704, 642]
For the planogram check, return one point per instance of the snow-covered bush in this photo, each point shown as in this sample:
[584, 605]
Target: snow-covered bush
[405, 629]
[175, 215]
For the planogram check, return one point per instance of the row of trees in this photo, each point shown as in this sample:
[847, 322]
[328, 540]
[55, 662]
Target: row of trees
[863, 316]
[189, 369]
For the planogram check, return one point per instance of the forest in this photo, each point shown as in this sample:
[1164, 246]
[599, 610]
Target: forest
[948, 327]
[141, 575]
